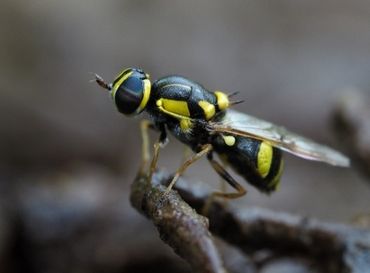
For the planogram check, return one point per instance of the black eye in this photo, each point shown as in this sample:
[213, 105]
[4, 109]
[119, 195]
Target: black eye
[129, 95]
[133, 84]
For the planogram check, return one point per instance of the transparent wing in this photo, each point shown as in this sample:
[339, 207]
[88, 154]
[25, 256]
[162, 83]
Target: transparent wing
[237, 123]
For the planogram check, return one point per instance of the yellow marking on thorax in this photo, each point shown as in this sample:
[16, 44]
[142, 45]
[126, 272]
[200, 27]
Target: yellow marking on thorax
[264, 159]
[222, 100]
[175, 108]
[120, 81]
[208, 109]
[229, 140]
[185, 124]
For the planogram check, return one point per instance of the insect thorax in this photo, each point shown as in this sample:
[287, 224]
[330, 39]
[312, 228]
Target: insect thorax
[184, 107]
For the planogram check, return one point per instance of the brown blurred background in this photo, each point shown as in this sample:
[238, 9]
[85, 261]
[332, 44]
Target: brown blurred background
[66, 153]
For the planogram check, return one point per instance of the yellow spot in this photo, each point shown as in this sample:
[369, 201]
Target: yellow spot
[146, 95]
[222, 100]
[176, 108]
[264, 159]
[229, 140]
[208, 108]
[185, 124]
[122, 77]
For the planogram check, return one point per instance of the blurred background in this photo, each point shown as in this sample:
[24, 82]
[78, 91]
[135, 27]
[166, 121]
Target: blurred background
[67, 157]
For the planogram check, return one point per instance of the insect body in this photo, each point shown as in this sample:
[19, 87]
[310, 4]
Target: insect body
[203, 121]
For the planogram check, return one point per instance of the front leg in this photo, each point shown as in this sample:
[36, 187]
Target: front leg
[145, 153]
[162, 141]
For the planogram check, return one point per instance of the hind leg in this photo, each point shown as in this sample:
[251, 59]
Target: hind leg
[240, 190]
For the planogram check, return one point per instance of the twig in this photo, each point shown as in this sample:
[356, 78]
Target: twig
[178, 224]
[330, 247]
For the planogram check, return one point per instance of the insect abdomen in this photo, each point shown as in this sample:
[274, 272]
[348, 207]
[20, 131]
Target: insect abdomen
[269, 165]
[258, 162]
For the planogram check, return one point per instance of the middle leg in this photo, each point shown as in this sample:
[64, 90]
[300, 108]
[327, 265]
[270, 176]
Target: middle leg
[205, 150]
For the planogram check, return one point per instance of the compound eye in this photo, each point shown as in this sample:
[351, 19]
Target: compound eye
[129, 95]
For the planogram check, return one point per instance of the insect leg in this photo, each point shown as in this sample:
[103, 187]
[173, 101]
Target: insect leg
[204, 150]
[223, 182]
[186, 154]
[229, 179]
[153, 164]
[222, 185]
[145, 153]
[145, 125]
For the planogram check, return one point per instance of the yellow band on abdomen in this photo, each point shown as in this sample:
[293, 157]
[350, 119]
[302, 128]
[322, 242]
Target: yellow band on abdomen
[264, 159]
